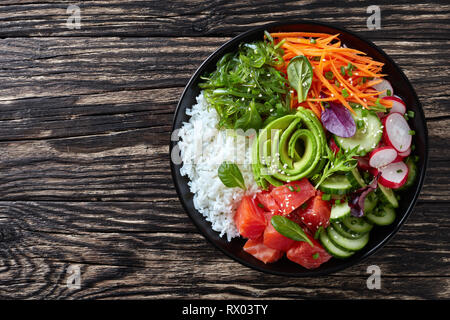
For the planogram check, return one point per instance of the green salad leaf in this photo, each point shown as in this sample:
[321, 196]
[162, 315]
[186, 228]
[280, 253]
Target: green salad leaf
[230, 175]
[289, 229]
[300, 75]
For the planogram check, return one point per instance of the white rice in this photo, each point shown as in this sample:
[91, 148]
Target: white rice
[203, 148]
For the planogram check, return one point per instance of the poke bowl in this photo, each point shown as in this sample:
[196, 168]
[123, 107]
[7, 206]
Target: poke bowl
[298, 149]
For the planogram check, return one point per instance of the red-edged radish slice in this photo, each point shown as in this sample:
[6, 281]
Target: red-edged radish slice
[384, 85]
[373, 171]
[397, 132]
[406, 153]
[393, 175]
[363, 164]
[397, 104]
[381, 157]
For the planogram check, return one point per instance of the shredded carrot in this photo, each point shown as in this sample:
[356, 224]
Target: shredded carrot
[340, 74]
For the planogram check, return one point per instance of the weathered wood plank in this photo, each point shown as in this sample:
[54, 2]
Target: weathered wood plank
[70, 67]
[131, 166]
[138, 249]
[85, 117]
[423, 20]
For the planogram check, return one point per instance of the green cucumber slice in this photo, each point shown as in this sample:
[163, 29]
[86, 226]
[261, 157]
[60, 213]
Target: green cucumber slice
[344, 231]
[367, 136]
[370, 202]
[355, 178]
[338, 211]
[387, 196]
[355, 224]
[336, 184]
[332, 248]
[412, 174]
[346, 243]
[382, 217]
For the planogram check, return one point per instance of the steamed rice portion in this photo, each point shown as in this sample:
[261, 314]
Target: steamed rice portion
[203, 148]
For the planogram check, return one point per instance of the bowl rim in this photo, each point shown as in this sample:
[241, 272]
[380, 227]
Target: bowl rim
[345, 264]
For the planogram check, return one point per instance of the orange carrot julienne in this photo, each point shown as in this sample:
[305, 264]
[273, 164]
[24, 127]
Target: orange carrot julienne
[337, 71]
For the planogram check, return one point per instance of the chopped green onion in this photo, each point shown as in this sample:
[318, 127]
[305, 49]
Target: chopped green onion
[360, 123]
[364, 112]
[315, 255]
[326, 197]
[411, 114]
[344, 93]
[412, 132]
[260, 205]
[399, 171]
[329, 75]
[337, 83]
[389, 92]
[338, 201]
[291, 188]
[343, 70]
[312, 40]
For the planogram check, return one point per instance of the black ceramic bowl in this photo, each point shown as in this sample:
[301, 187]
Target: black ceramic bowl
[379, 236]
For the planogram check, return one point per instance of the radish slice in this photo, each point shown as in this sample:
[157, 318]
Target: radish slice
[383, 85]
[397, 104]
[406, 153]
[397, 132]
[373, 171]
[394, 175]
[363, 164]
[381, 157]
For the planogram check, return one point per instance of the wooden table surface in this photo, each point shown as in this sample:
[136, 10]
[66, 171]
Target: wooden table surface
[85, 120]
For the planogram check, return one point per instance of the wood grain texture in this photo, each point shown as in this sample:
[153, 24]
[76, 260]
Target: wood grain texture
[85, 120]
[400, 19]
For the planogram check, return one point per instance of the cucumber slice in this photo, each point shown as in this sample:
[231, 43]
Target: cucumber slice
[336, 184]
[355, 178]
[332, 248]
[387, 196]
[367, 137]
[344, 231]
[346, 243]
[370, 202]
[338, 211]
[355, 224]
[412, 174]
[382, 217]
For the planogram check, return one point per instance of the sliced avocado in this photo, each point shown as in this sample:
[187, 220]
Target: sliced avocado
[278, 156]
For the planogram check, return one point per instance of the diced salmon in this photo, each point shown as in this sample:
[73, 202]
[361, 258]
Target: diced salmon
[275, 240]
[261, 252]
[305, 255]
[267, 201]
[249, 219]
[293, 194]
[316, 214]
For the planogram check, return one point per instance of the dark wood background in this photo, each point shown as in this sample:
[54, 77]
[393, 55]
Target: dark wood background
[85, 119]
